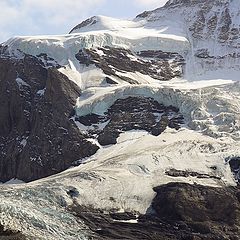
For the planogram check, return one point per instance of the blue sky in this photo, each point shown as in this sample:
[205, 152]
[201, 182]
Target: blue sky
[36, 17]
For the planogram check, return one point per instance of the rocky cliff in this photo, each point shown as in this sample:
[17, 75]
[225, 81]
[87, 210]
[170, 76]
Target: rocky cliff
[37, 138]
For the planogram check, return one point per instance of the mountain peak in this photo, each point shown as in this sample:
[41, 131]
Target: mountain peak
[187, 3]
[192, 2]
[86, 23]
[97, 23]
[148, 109]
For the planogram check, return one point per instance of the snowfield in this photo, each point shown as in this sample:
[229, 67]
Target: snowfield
[119, 177]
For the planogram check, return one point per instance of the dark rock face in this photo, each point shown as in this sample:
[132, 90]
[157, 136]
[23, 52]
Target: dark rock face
[114, 61]
[7, 234]
[206, 210]
[220, 22]
[132, 113]
[184, 173]
[234, 163]
[180, 212]
[37, 138]
[48, 61]
[88, 22]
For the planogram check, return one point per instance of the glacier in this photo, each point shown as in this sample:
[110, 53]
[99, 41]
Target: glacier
[122, 176]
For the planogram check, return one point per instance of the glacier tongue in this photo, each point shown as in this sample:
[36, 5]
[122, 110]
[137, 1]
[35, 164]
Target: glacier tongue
[119, 177]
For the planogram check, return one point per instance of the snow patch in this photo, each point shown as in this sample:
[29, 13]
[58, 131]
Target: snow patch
[133, 221]
[14, 181]
[23, 143]
[21, 83]
[41, 92]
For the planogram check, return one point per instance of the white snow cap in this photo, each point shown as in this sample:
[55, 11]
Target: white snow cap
[100, 22]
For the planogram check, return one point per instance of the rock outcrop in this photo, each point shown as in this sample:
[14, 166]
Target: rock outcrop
[132, 113]
[234, 163]
[180, 211]
[116, 61]
[7, 234]
[37, 138]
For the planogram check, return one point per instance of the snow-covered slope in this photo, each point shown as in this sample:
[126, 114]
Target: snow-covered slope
[136, 37]
[211, 27]
[119, 178]
[205, 32]
[197, 43]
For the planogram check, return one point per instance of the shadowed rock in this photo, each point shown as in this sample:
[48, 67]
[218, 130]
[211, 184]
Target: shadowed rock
[37, 138]
[180, 211]
[132, 113]
[114, 61]
[7, 234]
